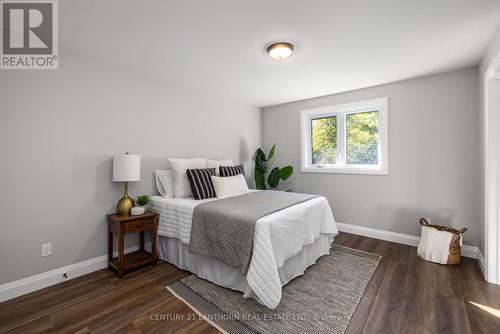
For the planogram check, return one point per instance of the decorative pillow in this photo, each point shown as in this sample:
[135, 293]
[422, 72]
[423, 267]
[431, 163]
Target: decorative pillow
[217, 163]
[225, 171]
[165, 182]
[201, 184]
[179, 166]
[229, 185]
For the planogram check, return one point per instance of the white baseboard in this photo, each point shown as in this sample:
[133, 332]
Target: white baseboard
[39, 281]
[400, 238]
[480, 259]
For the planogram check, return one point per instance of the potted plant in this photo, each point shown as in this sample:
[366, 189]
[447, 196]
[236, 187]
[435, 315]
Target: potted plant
[140, 209]
[275, 175]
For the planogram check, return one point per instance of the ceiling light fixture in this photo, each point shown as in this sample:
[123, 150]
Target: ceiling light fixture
[280, 50]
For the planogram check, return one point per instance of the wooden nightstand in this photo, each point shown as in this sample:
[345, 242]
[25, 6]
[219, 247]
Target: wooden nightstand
[121, 225]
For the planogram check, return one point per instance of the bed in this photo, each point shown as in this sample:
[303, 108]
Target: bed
[285, 243]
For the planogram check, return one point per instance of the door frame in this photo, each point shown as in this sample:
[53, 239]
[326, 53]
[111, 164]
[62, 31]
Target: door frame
[491, 106]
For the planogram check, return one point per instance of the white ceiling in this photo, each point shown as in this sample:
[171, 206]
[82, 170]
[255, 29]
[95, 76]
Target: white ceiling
[218, 46]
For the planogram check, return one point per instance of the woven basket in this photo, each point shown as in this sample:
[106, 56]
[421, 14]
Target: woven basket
[455, 255]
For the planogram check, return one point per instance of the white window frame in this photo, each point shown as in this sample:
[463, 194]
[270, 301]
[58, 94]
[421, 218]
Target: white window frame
[380, 105]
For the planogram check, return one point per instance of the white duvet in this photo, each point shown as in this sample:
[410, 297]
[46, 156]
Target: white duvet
[277, 237]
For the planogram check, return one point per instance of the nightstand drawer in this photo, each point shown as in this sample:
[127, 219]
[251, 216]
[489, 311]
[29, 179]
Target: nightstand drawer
[138, 225]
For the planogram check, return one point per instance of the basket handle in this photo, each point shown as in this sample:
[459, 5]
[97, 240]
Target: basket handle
[424, 221]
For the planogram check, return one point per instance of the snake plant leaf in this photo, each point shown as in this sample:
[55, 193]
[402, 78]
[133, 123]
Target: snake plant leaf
[274, 178]
[271, 154]
[260, 159]
[260, 179]
[285, 172]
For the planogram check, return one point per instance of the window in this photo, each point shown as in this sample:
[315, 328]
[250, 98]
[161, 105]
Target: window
[348, 138]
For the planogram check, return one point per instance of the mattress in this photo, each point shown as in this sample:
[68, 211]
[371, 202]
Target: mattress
[277, 237]
[175, 215]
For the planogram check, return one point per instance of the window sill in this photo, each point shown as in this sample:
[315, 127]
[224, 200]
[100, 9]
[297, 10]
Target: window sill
[345, 170]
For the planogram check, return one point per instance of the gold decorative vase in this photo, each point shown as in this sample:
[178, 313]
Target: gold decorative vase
[125, 204]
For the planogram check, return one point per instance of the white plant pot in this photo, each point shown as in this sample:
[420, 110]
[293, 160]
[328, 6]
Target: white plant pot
[138, 210]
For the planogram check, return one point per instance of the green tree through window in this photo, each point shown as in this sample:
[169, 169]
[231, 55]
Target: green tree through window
[362, 138]
[324, 140]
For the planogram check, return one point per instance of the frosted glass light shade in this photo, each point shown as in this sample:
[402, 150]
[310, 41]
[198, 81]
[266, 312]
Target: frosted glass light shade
[126, 168]
[280, 51]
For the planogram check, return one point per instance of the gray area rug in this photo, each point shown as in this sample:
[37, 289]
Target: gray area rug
[323, 300]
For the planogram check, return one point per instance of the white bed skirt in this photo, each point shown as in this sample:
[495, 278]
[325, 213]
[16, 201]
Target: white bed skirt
[178, 254]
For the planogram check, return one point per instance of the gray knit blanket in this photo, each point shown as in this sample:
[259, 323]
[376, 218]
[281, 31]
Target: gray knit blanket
[224, 228]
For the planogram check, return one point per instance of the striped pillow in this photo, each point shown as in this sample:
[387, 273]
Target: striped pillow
[201, 184]
[231, 170]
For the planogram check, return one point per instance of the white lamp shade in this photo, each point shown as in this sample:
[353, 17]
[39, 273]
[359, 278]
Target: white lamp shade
[126, 167]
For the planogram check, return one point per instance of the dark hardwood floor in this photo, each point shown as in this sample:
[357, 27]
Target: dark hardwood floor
[405, 295]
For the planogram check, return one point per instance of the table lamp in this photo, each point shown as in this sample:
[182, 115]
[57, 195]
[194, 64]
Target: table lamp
[126, 168]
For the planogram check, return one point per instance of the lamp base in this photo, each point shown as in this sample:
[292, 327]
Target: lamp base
[125, 204]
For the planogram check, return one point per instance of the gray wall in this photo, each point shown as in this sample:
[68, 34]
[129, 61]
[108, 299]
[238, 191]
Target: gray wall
[58, 132]
[433, 156]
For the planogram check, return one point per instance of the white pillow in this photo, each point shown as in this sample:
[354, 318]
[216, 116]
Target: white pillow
[179, 167]
[229, 186]
[217, 163]
[165, 182]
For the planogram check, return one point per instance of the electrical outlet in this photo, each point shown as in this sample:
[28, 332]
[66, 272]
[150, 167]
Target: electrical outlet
[47, 249]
